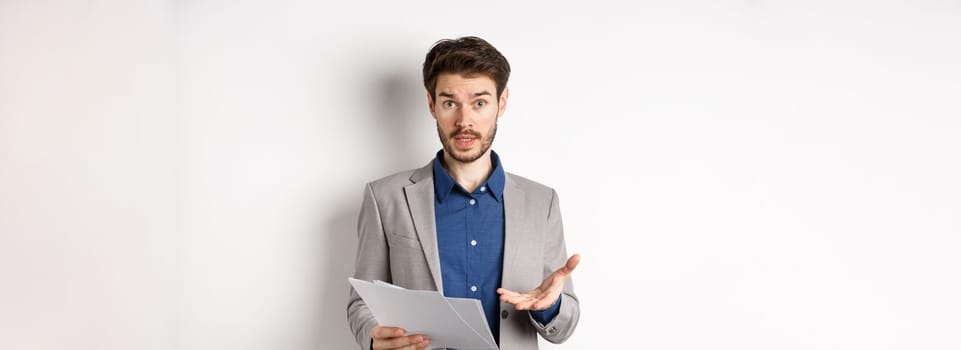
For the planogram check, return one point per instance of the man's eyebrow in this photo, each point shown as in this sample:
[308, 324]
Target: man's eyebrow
[476, 94]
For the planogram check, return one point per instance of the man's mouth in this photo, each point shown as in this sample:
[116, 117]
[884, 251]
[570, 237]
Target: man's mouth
[464, 140]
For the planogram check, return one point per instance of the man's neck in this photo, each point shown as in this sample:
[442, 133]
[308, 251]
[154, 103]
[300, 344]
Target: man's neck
[469, 175]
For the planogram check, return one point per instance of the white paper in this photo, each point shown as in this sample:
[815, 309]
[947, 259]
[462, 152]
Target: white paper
[471, 311]
[447, 322]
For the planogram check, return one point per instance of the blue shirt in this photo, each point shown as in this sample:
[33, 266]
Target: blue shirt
[470, 240]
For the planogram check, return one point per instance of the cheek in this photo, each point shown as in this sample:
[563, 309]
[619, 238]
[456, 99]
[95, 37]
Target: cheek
[443, 119]
[445, 124]
[491, 114]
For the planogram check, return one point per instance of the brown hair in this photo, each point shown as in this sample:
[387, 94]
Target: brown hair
[469, 56]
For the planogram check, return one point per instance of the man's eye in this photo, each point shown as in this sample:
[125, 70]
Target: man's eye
[449, 104]
[481, 103]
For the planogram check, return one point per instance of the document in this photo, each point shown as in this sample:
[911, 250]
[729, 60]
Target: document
[448, 322]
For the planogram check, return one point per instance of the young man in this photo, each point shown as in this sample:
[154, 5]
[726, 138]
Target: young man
[461, 224]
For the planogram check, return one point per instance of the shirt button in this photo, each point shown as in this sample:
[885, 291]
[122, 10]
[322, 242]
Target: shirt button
[473, 242]
[473, 288]
[472, 202]
[483, 188]
[504, 314]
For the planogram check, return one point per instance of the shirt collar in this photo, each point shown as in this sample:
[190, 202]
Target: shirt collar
[444, 183]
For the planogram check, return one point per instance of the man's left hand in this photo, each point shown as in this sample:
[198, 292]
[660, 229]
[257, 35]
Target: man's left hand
[546, 294]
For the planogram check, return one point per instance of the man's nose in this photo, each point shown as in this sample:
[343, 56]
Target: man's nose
[464, 118]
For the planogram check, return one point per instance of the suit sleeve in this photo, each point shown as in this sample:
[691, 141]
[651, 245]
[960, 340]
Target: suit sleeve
[555, 255]
[372, 263]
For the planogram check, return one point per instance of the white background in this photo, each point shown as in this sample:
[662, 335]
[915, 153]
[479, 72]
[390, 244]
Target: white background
[736, 174]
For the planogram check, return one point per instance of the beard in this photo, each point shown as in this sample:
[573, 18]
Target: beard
[464, 157]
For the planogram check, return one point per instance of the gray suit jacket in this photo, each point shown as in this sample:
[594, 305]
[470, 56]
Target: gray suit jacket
[397, 243]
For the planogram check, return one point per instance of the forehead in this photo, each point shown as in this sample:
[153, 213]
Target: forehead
[459, 84]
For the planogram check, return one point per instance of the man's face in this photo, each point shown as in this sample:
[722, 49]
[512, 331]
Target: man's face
[466, 110]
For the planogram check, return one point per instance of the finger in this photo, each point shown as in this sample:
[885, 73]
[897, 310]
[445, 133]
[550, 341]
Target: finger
[512, 294]
[573, 261]
[517, 298]
[513, 299]
[386, 332]
[417, 346]
[406, 347]
[412, 347]
[408, 342]
[545, 302]
[526, 305]
[423, 345]
[568, 267]
[509, 296]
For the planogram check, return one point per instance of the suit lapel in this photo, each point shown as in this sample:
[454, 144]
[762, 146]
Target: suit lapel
[515, 202]
[420, 200]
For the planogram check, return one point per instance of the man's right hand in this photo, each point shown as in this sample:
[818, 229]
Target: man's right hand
[393, 338]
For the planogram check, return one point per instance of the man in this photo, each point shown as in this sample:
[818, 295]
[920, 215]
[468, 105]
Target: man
[461, 224]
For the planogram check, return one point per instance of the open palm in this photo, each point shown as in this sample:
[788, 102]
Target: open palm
[546, 294]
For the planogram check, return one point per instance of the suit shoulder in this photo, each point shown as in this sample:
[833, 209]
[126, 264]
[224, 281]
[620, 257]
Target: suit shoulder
[529, 185]
[392, 182]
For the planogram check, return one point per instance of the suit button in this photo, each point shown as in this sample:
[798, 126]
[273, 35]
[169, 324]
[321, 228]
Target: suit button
[504, 314]
[552, 330]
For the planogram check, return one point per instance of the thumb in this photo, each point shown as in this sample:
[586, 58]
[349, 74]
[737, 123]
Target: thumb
[570, 265]
[573, 261]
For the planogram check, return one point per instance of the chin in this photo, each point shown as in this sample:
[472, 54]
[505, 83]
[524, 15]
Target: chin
[466, 156]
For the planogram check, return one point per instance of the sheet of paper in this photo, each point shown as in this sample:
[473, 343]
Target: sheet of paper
[425, 312]
[471, 311]
[385, 284]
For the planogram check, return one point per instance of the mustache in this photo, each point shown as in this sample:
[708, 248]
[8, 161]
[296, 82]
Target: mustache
[465, 132]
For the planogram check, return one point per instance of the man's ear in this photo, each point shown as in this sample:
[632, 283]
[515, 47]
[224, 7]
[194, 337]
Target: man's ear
[502, 104]
[430, 105]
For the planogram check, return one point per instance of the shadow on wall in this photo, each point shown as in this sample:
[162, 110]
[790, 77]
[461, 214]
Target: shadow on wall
[400, 112]
[391, 132]
[339, 237]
